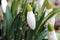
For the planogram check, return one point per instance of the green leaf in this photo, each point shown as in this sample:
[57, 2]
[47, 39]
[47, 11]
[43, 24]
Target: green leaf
[17, 24]
[8, 17]
[40, 15]
[40, 20]
[4, 25]
[15, 31]
[15, 5]
[7, 21]
[33, 6]
[46, 18]
[42, 35]
[30, 35]
[42, 9]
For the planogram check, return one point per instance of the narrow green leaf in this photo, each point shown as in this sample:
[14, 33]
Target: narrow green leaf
[45, 19]
[42, 35]
[4, 25]
[15, 5]
[33, 6]
[40, 20]
[30, 35]
[8, 17]
[17, 24]
[14, 30]
[7, 21]
[42, 9]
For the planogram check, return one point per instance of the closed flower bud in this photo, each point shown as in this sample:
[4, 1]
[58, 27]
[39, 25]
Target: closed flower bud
[31, 18]
[51, 32]
[4, 4]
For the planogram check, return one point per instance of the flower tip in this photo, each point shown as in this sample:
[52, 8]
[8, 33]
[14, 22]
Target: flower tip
[49, 5]
[50, 27]
[29, 8]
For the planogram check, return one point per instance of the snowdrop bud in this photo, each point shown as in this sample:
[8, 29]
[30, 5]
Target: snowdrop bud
[29, 8]
[4, 4]
[51, 32]
[49, 8]
[31, 18]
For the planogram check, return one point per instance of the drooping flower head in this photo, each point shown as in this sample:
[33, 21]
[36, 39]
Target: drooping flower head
[51, 32]
[31, 17]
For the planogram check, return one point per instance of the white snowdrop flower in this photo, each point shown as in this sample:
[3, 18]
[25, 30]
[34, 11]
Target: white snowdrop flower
[31, 18]
[49, 8]
[52, 35]
[4, 4]
[51, 32]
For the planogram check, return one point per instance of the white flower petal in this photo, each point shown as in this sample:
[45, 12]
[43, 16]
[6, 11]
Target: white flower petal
[52, 35]
[31, 20]
[52, 20]
[4, 4]
[48, 11]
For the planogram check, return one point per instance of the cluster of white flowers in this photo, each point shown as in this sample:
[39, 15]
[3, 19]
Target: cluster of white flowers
[31, 17]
